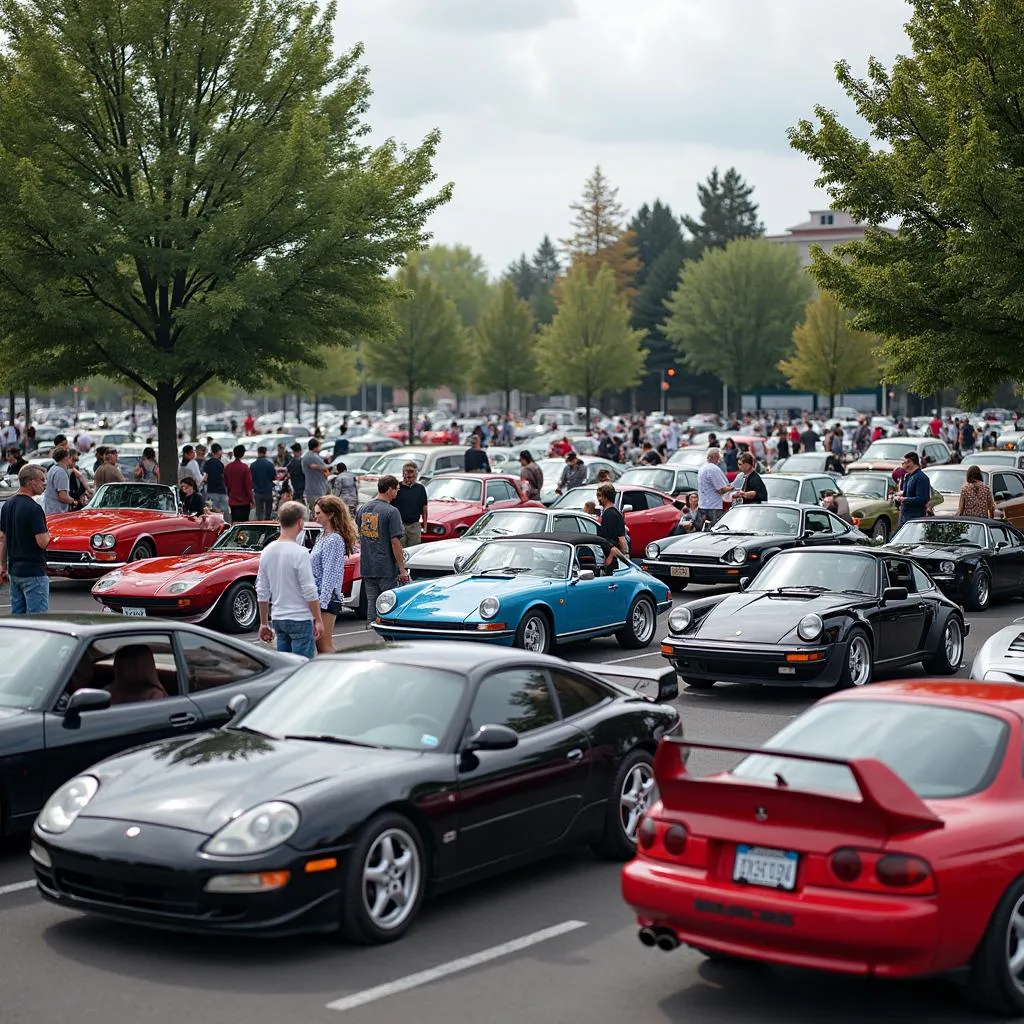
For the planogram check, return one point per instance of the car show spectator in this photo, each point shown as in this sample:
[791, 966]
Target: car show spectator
[411, 502]
[381, 556]
[531, 477]
[78, 486]
[612, 527]
[216, 489]
[346, 486]
[296, 477]
[976, 496]
[338, 540]
[915, 491]
[192, 502]
[24, 539]
[57, 496]
[108, 471]
[712, 484]
[314, 474]
[14, 460]
[264, 475]
[148, 469]
[751, 489]
[475, 460]
[238, 480]
[573, 475]
[189, 467]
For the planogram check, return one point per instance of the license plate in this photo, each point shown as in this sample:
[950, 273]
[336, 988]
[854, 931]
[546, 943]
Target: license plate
[681, 570]
[139, 613]
[773, 869]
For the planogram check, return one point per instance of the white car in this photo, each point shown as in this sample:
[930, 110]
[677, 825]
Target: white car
[1001, 657]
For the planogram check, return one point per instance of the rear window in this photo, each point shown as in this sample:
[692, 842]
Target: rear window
[940, 753]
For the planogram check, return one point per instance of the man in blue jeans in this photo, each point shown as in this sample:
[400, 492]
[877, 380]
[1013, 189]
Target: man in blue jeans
[23, 543]
[285, 580]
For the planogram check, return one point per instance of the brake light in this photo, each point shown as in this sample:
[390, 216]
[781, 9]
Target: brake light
[902, 871]
[846, 865]
[647, 833]
[675, 840]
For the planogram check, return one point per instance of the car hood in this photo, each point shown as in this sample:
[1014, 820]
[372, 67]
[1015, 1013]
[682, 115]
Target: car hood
[935, 552]
[861, 466]
[441, 553]
[454, 598]
[155, 573]
[711, 544]
[6, 713]
[199, 784]
[763, 617]
[867, 505]
[72, 526]
[442, 511]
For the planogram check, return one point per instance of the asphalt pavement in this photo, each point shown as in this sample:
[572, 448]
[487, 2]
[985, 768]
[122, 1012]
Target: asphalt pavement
[548, 944]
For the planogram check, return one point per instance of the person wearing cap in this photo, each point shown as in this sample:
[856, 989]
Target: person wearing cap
[915, 491]
[475, 459]
[216, 488]
[264, 473]
[574, 474]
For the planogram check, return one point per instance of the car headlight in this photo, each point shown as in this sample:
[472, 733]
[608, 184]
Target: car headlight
[255, 831]
[386, 602]
[106, 582]
[652, 551]
[179, 587]
[489, 607]
[737, 555]
[947, 567]
[436, 529]
[96, 540]
[109, 540]
[999, 677]
[66, 804]
[679, 619]
[810, 627]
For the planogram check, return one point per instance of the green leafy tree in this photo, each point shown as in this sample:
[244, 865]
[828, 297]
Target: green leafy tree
[548, 268]
[946, 157]
[727, 212]
[830, 356]
[734, 311]
[331, 370]
[430, 348]
[186, 193]
[506, 338]
[462, 275]
[589, 347]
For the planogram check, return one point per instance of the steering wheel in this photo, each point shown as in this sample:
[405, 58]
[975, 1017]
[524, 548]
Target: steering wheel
[432, 724]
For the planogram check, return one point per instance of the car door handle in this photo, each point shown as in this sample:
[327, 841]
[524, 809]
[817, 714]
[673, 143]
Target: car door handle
[613, 586]
[183, 719]
[575, 754]
[922, 605]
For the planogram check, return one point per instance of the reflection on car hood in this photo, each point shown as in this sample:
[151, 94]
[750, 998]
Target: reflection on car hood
[454, 598]
[441, 553]
[154, 573]
[76, 525]
[6, 712]
[936, 552]
[762, 617]
[717, 543]
[439, 511]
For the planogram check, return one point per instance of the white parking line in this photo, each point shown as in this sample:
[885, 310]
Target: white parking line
[411, 981]
[632, 657]
[6, 890]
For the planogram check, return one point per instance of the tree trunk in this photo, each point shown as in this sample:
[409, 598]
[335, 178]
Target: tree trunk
[831, 403]
[28, 414]
[586, 407]
[316, 410]
[284, 407]
[14, 398]
[167, 432]
[194, 435]
[298, 407]
[411, 394]
[508, 402]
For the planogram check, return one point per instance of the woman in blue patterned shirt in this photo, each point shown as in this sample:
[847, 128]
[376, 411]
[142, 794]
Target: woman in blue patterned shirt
[339, 539]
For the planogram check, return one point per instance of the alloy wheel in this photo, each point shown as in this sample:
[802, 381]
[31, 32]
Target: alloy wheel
[535, 635]
[244, 609]
[953, 641]
[859, 661]
[1015, 945]
[642, 621]
[392, 875]
[982, 592]
[638, 793]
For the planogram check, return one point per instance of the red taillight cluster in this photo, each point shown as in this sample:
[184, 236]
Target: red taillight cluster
[846, 865]
[874, 870]
[673, 837]
[647, 833]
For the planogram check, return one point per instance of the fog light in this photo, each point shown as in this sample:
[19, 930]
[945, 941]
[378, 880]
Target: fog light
[39, 855]
[264, 881]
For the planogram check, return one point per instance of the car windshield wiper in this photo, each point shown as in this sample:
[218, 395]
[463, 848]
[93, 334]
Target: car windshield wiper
[253, 732]
[325, 738]
[801, 590]
[503, 568]
[864, 593]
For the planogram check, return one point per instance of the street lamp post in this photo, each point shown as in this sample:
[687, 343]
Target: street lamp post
[667, 373]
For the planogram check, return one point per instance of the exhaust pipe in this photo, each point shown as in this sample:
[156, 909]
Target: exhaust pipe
[667, 940]
[647, 936]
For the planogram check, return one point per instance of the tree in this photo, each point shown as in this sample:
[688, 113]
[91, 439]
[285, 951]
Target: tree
[945, 292]
[734, 311]
[330, 370]
[186, 192]
[656, 231]
[506, 338]
[430, 348]
[462, 276]
[548, 268]
[727, 212]
[589, 347]
[524, 278]
[831, 357]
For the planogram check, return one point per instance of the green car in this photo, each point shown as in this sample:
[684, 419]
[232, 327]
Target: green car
[872, 510]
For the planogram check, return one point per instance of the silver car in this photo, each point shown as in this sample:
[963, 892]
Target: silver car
[1001, 657]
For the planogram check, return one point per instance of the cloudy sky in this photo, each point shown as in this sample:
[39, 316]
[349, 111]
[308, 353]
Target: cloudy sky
[531, 94]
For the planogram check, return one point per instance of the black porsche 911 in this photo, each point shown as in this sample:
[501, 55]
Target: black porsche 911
[742, 541]
[972, 560]
[365, 781]
[826, 617]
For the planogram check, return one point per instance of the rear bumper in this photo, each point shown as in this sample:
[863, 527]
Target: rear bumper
[852, 933]
[716, 661]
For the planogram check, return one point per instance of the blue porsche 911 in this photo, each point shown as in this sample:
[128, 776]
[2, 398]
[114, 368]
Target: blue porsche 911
[532, 592]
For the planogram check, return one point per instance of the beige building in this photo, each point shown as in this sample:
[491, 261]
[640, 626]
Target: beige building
[827, 228]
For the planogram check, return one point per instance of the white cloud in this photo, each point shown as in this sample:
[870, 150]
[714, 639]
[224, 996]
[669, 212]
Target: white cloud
[531, 94]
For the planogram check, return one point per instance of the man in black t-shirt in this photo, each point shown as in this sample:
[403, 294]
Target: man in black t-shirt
[751, 490]
[23, 543]
[411, 502]
[216, 489]
[612, 528]
[475, 460]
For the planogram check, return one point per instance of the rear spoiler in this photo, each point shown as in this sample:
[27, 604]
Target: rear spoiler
[656, 684]
[887, 804]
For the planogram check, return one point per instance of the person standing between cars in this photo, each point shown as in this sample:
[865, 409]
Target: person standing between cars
[809, 439]
[192, 502]
[751, 489]
[57, 495]
[238, 480]
[285, 580]
[338, 540]
[346, 487]
[24, 539]
[574, 474]
[296, 477]
[730, 456]
[148, 470]
[915, 490]
[532, 477]
[712, 483]
[411, 502]
[108, 472]
[381, 556]
[264, 473]
[189, 467]
[976, 496]
[216, 489]
[612, 527]
[314, 474]
[78, 486]
[475, 460]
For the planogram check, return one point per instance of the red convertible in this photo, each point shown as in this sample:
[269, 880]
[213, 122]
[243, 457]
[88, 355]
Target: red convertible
[125, 523]
[878, 834]
[219, 585]
[458, 500]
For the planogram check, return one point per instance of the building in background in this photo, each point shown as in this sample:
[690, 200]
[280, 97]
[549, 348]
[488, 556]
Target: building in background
[827, 228]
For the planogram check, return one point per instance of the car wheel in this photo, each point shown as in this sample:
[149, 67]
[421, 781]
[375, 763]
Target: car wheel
[240, 610]
[362, 611]
[534, 633]
[385, 878]
[858, 660]
[880, 531]
[698, 684]
[980, 593]
[950, 652]
[633, 791]
[996, 979]
[640, 624]
[143, 549]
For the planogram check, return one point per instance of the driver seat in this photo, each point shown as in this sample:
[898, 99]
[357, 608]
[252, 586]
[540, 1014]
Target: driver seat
[135, 676]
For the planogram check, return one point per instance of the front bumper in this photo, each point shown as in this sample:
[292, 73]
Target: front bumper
[391, 630]
[818, 928]
[710, 573]
[78, 565]
[770, 664]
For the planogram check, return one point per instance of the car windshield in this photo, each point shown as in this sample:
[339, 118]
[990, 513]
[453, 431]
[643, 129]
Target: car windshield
[243, 537]
[446, 488]
[781, 490]
[801, 463]
[690, 457]
[760, 519]
[948, 481]
[923, 531]
[391, 465]
[867, 485]
[507, 524]
[887, 451]
[31, 663]
[577, 498]
[825, 571]
[156, 497]
[659, 479]
[534, 558]
[1000, 459]
[340, 701]
[954, 752]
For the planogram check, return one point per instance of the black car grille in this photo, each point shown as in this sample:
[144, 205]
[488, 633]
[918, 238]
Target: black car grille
[166, 896]
[1018, 644]
[688, 559]
[447, 627]
[428, 574]
[69, 557]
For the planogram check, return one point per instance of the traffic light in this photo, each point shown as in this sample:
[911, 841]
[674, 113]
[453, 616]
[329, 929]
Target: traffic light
[664, 385]
[670, 372]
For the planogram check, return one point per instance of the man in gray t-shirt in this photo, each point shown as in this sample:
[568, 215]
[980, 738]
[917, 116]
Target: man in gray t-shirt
[381, 557]
[314, 472]
[57, 496]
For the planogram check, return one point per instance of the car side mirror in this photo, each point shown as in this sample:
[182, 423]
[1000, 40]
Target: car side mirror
[238, 705]
[893, 594]
[492, 737]
[627, 508]
[706, 528]
[809, 532]
[680, 504]
[87, 699]
[583, 575]
[490, 500]
[744, 583]
[460, 563]
[1000, 544]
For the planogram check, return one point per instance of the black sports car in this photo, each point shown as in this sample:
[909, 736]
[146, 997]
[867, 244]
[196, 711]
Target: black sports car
[330, 805]
[827, 617]
[972, 560]
[742, 541]
[75, 689]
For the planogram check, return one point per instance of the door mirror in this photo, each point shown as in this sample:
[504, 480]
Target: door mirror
[87, 700]
[1000, 544]
[492, 737]
[583, 575]
[744, 583]
[490, 500]
[706, 528]
[626, 508]
[238, 705]
[460, 563]
[892, 594]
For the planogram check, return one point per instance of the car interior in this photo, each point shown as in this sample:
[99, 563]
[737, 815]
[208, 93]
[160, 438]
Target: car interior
[130, 668]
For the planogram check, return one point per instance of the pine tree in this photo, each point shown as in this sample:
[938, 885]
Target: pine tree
[547, 267]
[656, 230]
[525, 279]
[727, 213]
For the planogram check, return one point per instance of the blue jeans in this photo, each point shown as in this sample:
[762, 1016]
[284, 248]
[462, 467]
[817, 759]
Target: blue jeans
[30, 595]
[218, 502]
[295, 636]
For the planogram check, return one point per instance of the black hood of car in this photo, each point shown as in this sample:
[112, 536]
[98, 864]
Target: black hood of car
[763, 617]
[717, 544]
[937, 552]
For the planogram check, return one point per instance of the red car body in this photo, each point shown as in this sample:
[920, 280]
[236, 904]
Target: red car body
[218, 585]
[444, 436]
[938, 882]
[449, 517]
[144, 520]
[650, 515]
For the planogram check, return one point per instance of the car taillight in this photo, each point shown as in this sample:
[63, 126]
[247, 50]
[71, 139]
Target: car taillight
[846, 865]
[646, 833]
[675, 840]
[902, 871]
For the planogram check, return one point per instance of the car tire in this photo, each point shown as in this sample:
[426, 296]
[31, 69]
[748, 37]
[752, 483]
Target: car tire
[950, 653]
[990, 984]
[375, 878]
[239, 608]
[362, 611]
[980, 594]
[641, 623]
[880, 531]
[858, 661]
[534, 632]
[698, 684]
[632, 792]
[143, 549]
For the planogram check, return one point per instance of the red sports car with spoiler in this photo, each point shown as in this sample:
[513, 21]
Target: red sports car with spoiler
[217, 587]
[457, 500]
[122, 523]
[877, 834]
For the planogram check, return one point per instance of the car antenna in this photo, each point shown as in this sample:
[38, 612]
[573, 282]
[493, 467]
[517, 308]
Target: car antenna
[781, 780]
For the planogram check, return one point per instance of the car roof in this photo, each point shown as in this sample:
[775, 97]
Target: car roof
[981, 520]
[967, 693]
[80, 623]
[447, 654]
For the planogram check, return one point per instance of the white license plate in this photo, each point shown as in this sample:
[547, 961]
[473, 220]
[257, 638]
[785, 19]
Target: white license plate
[139, 613]
[773, 869]
[681, 570]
